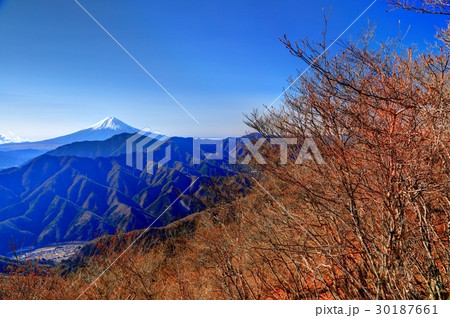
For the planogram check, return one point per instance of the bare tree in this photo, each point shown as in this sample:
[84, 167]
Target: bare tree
[381, 203]
[441, 7]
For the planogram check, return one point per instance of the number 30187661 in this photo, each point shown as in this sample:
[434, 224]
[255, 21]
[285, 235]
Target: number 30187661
[406, 309]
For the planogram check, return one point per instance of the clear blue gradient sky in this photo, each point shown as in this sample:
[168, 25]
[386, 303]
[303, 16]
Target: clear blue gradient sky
[59, 72]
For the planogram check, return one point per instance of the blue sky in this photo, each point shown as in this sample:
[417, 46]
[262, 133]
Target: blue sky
[59, 72]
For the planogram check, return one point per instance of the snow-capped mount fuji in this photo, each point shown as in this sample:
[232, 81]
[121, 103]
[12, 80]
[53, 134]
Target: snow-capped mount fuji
[15, 152]
[102, 130]
[112, 123]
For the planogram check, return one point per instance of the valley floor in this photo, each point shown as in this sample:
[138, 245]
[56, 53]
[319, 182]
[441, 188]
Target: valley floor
[54, 254]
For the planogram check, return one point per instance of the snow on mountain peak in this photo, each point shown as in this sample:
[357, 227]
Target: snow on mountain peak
[110, 123]
[9, 137]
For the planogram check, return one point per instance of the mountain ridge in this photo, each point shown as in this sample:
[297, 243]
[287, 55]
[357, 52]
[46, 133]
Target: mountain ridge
[102, 130]
[15, 154]
[61, 198]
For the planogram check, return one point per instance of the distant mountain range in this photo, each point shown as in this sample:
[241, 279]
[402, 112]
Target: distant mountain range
[9, 138]
[14, 154]
[82, 190]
